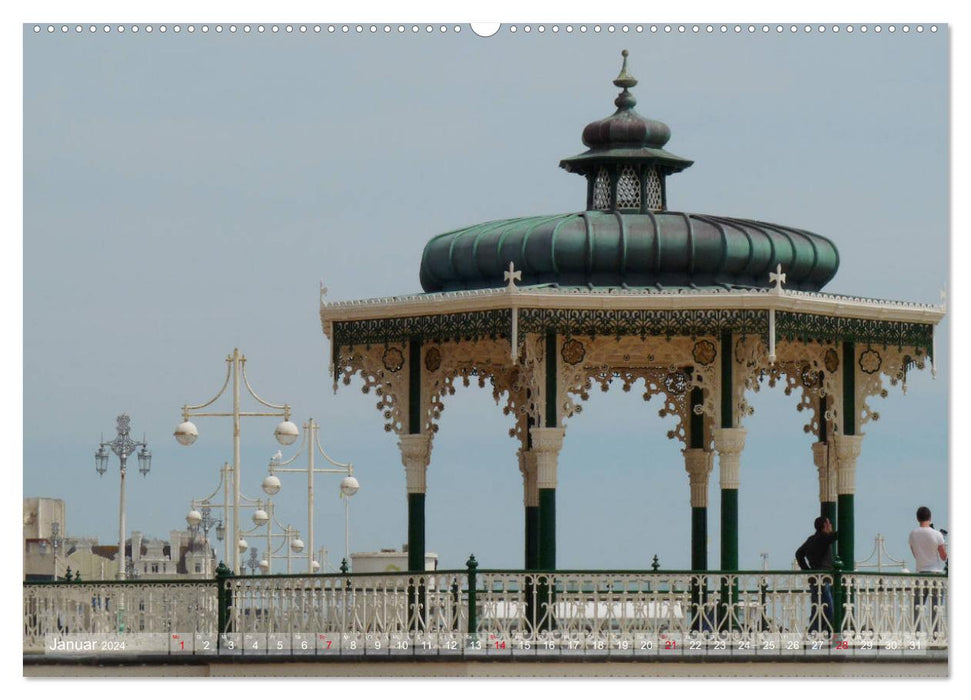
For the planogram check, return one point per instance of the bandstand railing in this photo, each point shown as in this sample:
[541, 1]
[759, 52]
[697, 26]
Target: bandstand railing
[475, 612]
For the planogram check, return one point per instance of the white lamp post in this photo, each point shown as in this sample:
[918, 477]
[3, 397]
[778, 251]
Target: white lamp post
[123, 446]
[349, 485]
[286, 432]
[202, 507]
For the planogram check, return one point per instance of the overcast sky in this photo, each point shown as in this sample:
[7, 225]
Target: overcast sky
[185, 194]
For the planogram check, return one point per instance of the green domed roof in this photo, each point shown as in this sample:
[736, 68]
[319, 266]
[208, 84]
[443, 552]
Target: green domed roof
[667, 249]
[627, 237]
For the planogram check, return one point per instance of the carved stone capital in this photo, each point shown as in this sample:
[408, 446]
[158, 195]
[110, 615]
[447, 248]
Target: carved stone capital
[729, 443]
[848, 449]
[827, 476]
[415, 454]
[698, 463]
[527, 466]
[547, 443]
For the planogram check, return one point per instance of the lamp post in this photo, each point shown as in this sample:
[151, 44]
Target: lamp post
[55, 543]
[286, 432]
[123, 446]
[253, 563]
[349, 485]
[293, 544]
[200, 507]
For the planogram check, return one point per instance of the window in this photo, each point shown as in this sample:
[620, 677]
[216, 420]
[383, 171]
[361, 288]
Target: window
[629, 190]
[655, 200]
[601, 191]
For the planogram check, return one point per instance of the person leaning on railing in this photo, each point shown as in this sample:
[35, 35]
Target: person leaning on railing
[816, 553]
[927, 546]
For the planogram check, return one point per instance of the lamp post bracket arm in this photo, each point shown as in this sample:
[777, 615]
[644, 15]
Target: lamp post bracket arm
[281, 407]
[275, 467]
[187, 407]
[327, 456]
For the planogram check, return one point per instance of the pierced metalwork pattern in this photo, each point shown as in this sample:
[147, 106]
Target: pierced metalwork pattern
[628, 189]
[79, 610]
[644, 322]
[654, 190]
[883, 609]
[487, 361]
[391, 387]
[336, 605]
[727, 611]
[803, 367]
[661, 364]
[872, 366]
[473, 325]
[601, 191]
[764, 613]
[806, 327]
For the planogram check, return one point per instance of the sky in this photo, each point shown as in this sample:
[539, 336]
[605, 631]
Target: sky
[187, 193]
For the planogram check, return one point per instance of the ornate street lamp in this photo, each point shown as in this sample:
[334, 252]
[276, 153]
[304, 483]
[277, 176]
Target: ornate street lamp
[286, 432]
[56, 543]
[349, 485]
[123, 446]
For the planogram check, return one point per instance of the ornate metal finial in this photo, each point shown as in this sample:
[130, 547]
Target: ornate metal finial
[777, 277]
[655, 564]
[625, 80]
[124, 424]
[344, 567]
[511, 276]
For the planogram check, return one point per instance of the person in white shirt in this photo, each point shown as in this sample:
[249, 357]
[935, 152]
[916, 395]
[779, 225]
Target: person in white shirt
[930, 553]
[927, 544]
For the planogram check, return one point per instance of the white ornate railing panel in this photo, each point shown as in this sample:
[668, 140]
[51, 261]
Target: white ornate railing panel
[510, 612]
[884, 609]
[82, 611]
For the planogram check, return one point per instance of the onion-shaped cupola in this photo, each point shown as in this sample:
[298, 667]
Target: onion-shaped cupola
[627, 237]
[626, 166]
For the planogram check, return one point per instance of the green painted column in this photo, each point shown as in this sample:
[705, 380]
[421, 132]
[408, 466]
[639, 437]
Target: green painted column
[827, 509]
[418, 447]
[729, 442]
[729, 522]
[848, 449]
[546, 444]
[416, 532]
[532, 537]
[699, 539]
[848, 446]
[527, 465]
[547, 529]
[697, 462]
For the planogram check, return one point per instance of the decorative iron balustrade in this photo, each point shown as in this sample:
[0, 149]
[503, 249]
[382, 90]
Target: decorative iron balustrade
[145, 613]
[488, 612]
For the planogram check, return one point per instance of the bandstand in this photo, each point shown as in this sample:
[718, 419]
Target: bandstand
[697, 309]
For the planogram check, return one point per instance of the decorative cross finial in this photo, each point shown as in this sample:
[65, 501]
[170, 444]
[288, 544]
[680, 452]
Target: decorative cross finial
[777, 277]
[512, 275]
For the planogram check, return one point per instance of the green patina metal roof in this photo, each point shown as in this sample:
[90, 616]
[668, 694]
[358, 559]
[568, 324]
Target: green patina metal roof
[601, 249]
[627, 237]
[625, 136]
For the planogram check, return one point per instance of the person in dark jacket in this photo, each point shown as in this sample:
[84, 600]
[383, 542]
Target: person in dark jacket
[816, 553]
